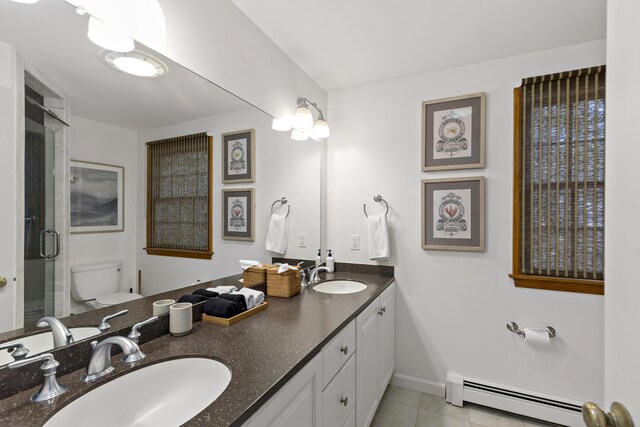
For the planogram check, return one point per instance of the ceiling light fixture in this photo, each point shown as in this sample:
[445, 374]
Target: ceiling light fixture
[136, 63]
[303, 124]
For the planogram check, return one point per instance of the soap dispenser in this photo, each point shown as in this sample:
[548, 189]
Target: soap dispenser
[319, 257]
[331, 264]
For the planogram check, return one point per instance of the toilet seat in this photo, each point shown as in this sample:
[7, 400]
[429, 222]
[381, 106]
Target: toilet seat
[116, 298]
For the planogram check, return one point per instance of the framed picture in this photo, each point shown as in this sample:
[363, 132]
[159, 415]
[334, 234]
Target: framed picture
[453, 133]
[238, 214]
[238, 154]
[97, 197]
[453, 214]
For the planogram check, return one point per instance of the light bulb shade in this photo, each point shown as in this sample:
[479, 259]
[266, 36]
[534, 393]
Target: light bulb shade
[321, 129]
[280, 125]
[298, 135]
[303, 118]
[109, 37]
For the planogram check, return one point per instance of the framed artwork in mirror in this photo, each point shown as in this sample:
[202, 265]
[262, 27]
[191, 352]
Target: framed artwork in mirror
[238, 214]
[238, 156]
[97, 197]
[453, 214]
[453, 135]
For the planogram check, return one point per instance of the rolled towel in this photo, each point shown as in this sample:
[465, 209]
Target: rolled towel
[237, 298]
[223, 289]
[252, 297]
[276, 240]
[206, 293]
[219, 307]
[378, 233]
[193, 299]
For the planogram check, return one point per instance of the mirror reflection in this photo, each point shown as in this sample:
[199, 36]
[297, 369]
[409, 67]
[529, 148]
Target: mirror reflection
[130, 176]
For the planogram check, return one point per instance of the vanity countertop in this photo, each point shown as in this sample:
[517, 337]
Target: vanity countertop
[263, 352]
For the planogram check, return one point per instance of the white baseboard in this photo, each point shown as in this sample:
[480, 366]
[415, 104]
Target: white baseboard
[418, 384]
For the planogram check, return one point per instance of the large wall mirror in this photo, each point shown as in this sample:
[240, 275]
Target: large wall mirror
[73, 143]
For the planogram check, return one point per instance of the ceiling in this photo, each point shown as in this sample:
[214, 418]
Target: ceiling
[52, 37]
[344, 43]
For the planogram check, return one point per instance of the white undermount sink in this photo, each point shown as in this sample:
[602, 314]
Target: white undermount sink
[340, 287]
[164, 394]
[40, 343]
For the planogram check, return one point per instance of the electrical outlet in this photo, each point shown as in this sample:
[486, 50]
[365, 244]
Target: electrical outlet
[302, 240]
[355, 242]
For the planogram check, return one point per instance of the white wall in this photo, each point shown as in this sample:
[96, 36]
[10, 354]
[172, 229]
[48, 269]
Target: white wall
[283, 168]
[622, 204]
[7, 189]
[96, 142]
[453, 306]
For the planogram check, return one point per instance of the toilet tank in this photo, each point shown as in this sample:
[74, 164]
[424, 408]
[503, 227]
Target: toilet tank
[91, 281]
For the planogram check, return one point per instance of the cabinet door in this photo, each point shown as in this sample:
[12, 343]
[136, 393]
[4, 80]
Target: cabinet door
[367, 364]
[387, 336]
[296, 404]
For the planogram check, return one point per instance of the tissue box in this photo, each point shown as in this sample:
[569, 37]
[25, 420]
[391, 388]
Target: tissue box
[284, 285]
[255, 275]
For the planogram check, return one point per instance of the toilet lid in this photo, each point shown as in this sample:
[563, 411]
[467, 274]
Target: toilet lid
[117, 298]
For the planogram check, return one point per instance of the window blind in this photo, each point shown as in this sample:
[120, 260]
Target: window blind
[178, 193]
[562, 174]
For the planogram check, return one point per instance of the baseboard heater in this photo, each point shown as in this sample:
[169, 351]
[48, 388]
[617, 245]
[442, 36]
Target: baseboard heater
[510, 399]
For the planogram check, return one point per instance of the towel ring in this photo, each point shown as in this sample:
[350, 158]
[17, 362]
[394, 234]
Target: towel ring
[283, 201]
[376, 198]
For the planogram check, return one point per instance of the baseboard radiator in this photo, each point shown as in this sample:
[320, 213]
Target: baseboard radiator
[540, 406]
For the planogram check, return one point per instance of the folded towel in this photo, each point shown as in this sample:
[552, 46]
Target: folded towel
[252, 297]
[378, 233]
[285, 267]
[238, 299]
[206, 293]
[219, 307]
[223, 289]
[193, 299]
[277, 234]
[246, 263]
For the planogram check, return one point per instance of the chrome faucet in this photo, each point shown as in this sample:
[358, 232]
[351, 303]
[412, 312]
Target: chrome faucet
[100, 364]
[50, 388]
[104, 326]
[310, 275]
[134, 335]
[313, 279]
[16, 349]
[61, 335]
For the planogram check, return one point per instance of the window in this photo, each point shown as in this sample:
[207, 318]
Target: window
[558, 206]
[179, 212]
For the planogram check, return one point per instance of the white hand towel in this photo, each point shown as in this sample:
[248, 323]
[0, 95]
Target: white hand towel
[378, 233]
[246, 263]
[285, 267]
[251, 296]
[223, 289]
[277, 234]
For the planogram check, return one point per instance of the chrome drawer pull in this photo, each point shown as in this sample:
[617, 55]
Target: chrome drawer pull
[344, 401]
[344, 349]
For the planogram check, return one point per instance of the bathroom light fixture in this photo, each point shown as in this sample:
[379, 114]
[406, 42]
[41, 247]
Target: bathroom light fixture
[280, 125]
[299, 135]
[321, 128]
[109, 37]
[136, 63]
[303, 118]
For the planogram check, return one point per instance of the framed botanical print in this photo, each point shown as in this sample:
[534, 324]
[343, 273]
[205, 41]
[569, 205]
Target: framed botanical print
[97, 197]
[453, 133]
[238, 156]
[453, 214]
[238, 214]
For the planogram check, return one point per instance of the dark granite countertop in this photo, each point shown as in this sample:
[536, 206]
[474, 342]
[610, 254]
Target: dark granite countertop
[263, 352]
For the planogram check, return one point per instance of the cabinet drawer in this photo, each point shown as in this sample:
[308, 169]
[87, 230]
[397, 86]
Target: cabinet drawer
[339, 398]
[337, 352]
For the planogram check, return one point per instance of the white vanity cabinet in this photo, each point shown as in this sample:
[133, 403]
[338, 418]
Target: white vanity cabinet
[375, 354]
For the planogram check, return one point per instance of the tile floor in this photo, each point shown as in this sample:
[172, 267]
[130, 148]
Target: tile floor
[401, 407]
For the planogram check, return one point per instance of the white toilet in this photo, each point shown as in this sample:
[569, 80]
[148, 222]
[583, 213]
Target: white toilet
[96, 286]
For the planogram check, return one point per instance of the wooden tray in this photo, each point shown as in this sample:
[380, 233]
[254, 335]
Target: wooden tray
[235, 319]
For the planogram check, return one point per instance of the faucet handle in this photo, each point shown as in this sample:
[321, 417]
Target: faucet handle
[104, 326]
[17, 350]
[134, 335]
[50, 388]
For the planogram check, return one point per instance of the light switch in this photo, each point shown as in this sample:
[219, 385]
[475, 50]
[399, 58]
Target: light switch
[355, 242]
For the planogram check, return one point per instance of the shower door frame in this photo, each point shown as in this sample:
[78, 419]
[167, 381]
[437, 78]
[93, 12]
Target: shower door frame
[62, 284]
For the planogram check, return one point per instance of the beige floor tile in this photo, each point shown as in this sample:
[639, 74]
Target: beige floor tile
[489, 418]
[401, 415]
[402, 395]
[438, 405]
[381, 422]
[429, 419]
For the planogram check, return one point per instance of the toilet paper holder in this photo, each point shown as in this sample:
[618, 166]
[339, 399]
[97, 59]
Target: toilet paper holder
[513, 327]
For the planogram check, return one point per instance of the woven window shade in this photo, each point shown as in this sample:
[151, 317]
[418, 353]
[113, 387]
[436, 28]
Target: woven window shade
[562, 175]
[179, 176]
